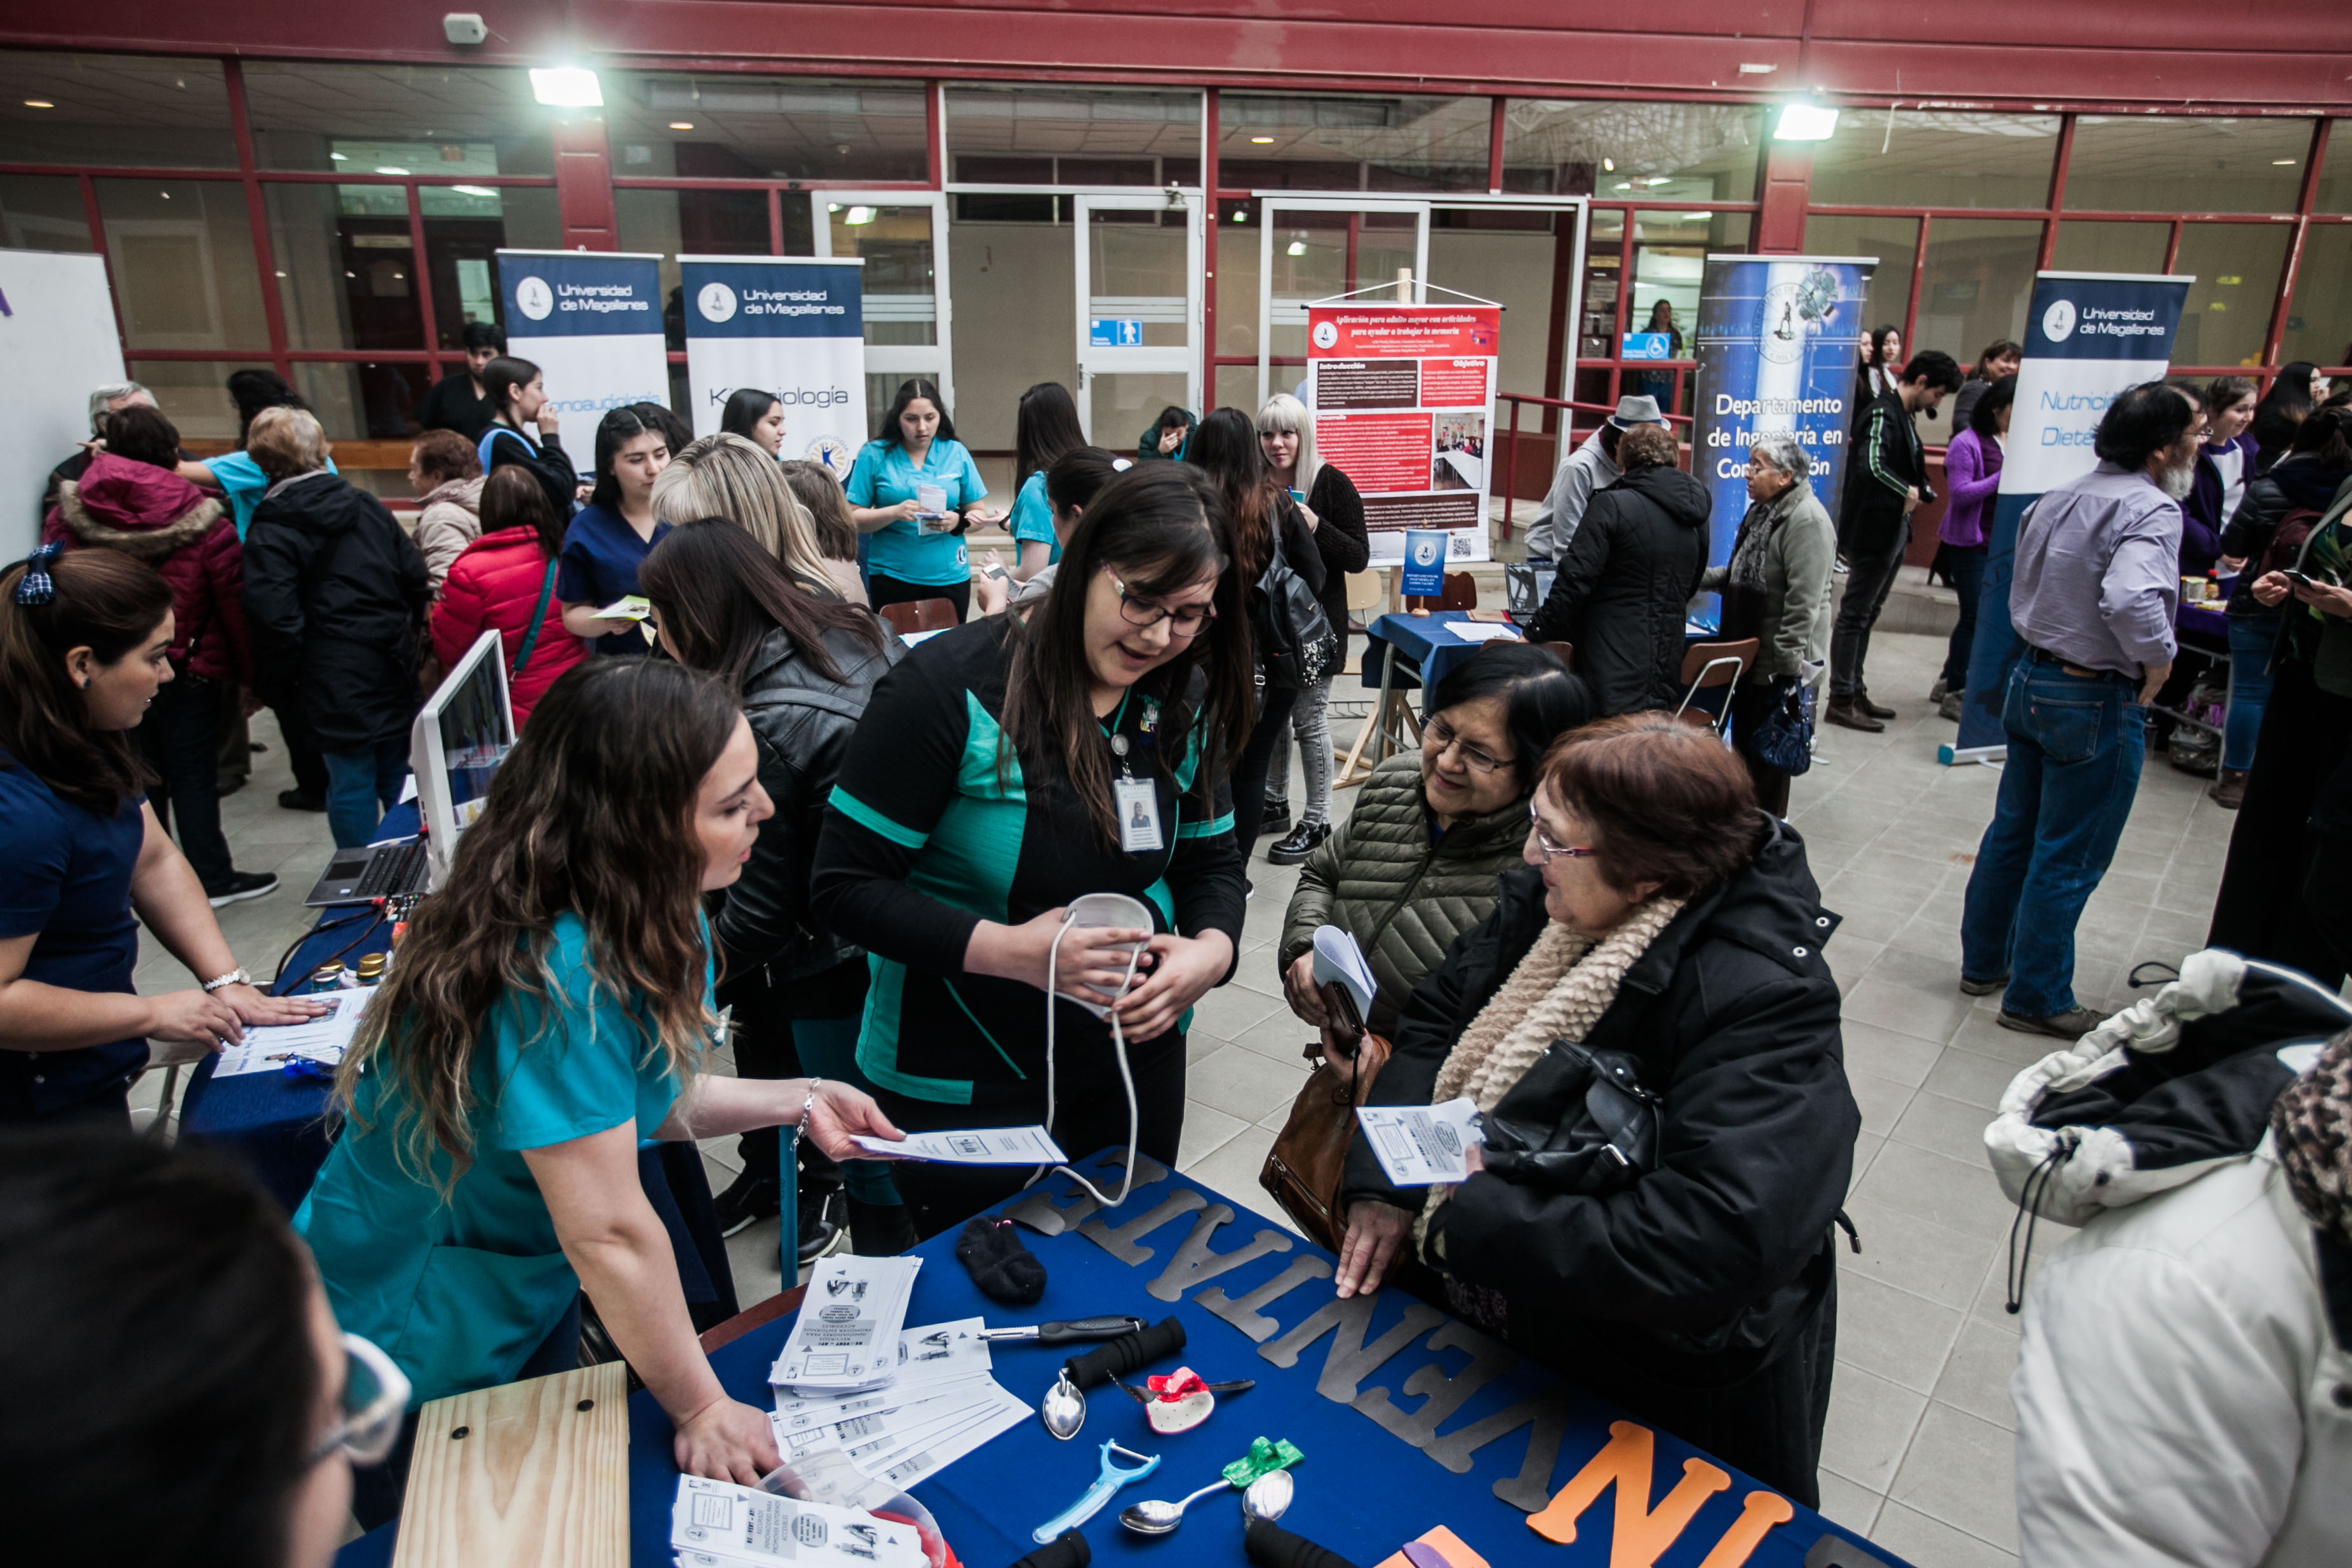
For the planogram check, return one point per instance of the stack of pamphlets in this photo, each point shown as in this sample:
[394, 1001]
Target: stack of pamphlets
[717, 1524]
[846, 1338]
[938, 1405]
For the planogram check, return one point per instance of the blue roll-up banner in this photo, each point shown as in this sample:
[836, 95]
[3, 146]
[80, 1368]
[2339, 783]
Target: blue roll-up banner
[1778, 340]
[2089, 336]
[592, 322]
[1424, 563]
[792, 326]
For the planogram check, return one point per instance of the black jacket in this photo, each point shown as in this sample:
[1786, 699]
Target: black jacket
[803, 723]
[1340, 540]
[1624, 584]
[1888, 463]
[2290, 484]
[545, 459]
[334, 594]
[452, 405]
[1700, 1267]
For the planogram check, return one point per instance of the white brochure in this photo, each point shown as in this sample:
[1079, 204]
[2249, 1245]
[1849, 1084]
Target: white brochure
[904, 1469]
[1420, 1145]
[1028, 1145]
[718, 1522]
[323, 1039]
[846, 1336]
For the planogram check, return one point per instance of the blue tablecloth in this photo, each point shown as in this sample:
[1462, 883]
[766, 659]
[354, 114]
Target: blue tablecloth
[1342, 1397]
[1426, 640]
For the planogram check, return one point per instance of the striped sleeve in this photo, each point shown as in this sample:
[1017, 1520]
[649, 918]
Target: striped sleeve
[1874, 450]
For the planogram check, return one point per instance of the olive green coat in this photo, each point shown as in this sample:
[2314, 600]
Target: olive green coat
[1403, 898]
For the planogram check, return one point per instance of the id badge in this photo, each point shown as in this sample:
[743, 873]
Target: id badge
[1139, 815]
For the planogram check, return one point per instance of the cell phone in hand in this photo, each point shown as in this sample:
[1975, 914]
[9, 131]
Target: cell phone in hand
[2299, 578]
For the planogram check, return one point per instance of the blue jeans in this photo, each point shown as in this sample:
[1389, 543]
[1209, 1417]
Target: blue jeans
[2075, 745]
[360, 787]
[2251, 637]
[1966, 566]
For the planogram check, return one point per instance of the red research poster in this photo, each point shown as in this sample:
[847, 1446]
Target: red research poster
[1404, 398]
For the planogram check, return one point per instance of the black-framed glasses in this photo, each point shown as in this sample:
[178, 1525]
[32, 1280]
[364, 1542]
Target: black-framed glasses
[1439, 734]
[1556, 851]
[1190, 621]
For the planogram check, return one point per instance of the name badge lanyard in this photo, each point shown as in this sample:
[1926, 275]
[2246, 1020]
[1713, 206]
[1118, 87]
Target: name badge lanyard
[1137, 799]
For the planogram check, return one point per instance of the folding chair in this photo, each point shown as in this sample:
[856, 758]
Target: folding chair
[920, 615]
[1706, 665]
[1461, 593]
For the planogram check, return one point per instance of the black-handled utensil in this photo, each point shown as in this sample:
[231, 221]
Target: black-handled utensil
[1143, 1397]
[1125, 1354]
[1082, 1331]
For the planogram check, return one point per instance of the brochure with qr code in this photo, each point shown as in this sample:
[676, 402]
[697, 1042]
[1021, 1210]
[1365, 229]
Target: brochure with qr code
[1420, 1145]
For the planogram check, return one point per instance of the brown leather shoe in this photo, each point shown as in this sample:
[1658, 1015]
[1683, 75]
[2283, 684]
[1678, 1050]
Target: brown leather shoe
[2229, 791]
[1861, 700]
[1845, 711]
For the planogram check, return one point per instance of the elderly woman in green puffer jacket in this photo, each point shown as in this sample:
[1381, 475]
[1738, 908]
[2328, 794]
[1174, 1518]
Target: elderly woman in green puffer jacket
[1415, 863]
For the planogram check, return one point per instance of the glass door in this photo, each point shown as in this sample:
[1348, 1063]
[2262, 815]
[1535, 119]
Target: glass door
[1139, 310]
[1312, 248]
[900, 236]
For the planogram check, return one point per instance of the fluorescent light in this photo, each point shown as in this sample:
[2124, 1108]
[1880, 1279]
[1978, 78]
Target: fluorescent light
[1805, 122]
[1297, 247]
[389, 169]
[681, 125]
[1263, 141]
[859, 215]
[340, 157]
[1696, 217]
[1624, 184]
[39, 103]
[567, 86]
[2282, 163]
[1609, 165]
[474, 189]
[832, 206]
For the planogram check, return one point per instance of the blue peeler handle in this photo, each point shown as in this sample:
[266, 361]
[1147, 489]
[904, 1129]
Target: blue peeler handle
[1113, 1477]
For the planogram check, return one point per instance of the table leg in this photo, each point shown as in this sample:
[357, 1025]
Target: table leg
[1375, 725]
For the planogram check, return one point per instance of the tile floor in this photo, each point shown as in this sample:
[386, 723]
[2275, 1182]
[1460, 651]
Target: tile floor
[1919, 1449]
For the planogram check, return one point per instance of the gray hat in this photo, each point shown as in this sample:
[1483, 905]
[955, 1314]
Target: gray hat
[1633, 411]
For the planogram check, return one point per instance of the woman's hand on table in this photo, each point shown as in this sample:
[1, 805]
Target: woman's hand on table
[1182, 968]
[726, 1440]
[194, 1018]
[1298, 990]
[1375, 1231]
[843, 1111]
[2327, 598]
[258, 1007]
[2271, 589]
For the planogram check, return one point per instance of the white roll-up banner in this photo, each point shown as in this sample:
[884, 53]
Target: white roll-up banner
[790, 326]
[592, 322]
[55, 316]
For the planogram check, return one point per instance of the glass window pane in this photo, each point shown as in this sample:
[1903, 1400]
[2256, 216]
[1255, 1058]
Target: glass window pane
[1604, 262]
[1013, 289]
[1894, 240]
[1267, 142]
[1977, 285]
[194, 395]
[900, 286]
[1669, 261]
[1236, 282]
[463, 234]
[440, 120]
[183, 257]
[346, 269]
[2228, 313]
[364, 402]
[2161, 163]
[115, 109]
[1937, 158]
[1666, 152]
[1078, 136]
[2086, 246]
[1508, 256]
[1139, 269]
[671, 223]
[2334, 192]
[1237, 388]
[43, 211]
[2319, 322]
[731, 127]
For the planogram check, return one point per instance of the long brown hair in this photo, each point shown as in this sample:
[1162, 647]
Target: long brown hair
[1162, 528]
[1226, 448]
[591, 814]
[100, 599]
[718, 595]
[813, 485]
[511, 498]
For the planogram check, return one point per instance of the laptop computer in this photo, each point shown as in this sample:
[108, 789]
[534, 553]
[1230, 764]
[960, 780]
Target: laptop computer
[384, 871]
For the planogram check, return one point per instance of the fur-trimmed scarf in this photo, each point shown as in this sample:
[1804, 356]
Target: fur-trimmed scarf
[2313, 1121]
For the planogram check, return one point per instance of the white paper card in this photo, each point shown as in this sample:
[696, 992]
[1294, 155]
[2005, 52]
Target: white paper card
[1420, 1145]
[846, 1336]
[736, 1523]
[1482, 630]
[323, 1039]
[628, 606]
[979, 1146]
[1338, 958]
[905, 1469]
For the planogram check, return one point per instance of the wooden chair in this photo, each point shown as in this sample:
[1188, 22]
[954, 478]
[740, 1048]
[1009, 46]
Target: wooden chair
[1366, 590]
[1564, 652]
[920, 616]
[1706, 665]
[1461, 594]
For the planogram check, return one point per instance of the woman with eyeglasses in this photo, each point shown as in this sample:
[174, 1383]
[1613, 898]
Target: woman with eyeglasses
[1414, 865]
[229, 1436]
[995, 778]
[1648, 1026]
[550, 1007]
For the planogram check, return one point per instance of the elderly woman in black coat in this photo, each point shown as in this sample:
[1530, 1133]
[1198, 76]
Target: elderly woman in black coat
[1627, 578]
[1659, 960]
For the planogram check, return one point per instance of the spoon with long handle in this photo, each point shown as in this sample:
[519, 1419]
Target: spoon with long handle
[1154, 1516]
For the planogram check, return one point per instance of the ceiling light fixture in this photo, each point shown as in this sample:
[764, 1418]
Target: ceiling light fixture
[340, 157]
[1609, 165]
[389, 169]
[39, 103]
[2282, 163]
[681, 125]
[1804, 121]
[859, 215]
[474, 189]
[1263, 141]
[567, 86]
[1624, 184]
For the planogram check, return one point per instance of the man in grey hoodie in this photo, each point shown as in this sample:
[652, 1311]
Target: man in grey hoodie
[1591, 467]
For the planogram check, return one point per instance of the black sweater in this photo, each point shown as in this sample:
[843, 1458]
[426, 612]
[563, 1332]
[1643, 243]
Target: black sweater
[1340, 540]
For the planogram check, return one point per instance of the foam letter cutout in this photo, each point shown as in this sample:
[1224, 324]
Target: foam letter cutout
[1758, 1513]
[1350, 1361]
[1446, 1391]
[1244, 1315]
[1626, 1461]
[1041, 1214]
[1194, 1264]
[1119, 1242]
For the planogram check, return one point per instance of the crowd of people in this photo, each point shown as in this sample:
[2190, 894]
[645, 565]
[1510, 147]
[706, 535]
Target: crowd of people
[743, 811]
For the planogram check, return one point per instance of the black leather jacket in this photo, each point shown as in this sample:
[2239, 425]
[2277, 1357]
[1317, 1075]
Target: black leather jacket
[1698, 1271]
[803, 723]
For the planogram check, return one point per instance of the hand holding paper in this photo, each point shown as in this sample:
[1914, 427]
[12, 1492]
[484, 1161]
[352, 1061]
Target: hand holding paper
[1423, 1145]
[1029, 1145]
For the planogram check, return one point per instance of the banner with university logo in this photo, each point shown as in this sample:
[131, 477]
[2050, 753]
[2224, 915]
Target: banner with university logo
[2088, 337]
[1777, 338]
[790, 326]
[592, 322]
[1404, 401]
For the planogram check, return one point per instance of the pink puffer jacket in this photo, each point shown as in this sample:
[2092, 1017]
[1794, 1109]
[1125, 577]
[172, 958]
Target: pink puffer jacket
[153, 515]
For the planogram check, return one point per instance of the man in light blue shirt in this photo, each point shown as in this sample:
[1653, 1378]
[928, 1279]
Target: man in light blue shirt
[2092, 596]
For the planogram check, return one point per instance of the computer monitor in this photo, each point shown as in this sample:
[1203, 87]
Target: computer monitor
[461, 736]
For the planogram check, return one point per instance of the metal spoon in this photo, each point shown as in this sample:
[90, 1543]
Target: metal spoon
[1063, 1408]
[1152, 1517]
[1268, 1497]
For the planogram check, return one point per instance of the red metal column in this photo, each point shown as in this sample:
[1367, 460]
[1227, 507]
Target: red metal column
[1495, 151]
[97, 221]
[1209, 252]
[256, 213]
[776, 220]
[2057, 193]
[418, 264]
[583, 185]
[1788, 184]
[1918, 273]
[2287, 274]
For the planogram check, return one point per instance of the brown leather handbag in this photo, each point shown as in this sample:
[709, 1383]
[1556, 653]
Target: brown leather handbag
[1309, 1163]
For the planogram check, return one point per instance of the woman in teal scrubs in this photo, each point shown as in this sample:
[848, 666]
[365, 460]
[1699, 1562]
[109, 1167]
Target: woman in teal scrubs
[909, 556]
[1045, 427]
[549, 1008]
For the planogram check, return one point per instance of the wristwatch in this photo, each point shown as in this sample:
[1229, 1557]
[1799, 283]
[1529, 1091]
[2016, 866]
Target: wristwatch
[236, 977]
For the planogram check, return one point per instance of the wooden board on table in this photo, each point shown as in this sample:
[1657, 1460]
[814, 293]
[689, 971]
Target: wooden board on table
[541, 1478]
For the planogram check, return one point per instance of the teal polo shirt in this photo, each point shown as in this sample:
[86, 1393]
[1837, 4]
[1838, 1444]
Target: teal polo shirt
[882, 477]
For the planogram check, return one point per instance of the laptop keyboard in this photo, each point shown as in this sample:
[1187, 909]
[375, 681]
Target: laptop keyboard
[391, 870]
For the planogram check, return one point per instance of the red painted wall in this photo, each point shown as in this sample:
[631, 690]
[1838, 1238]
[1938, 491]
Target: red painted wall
[2210, 54]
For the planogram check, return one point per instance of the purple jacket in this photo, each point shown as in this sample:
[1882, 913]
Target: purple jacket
[2200, 516]
[1972, 478]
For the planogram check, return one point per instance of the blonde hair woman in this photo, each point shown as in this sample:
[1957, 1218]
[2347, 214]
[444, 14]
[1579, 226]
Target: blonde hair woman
[728, 476]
